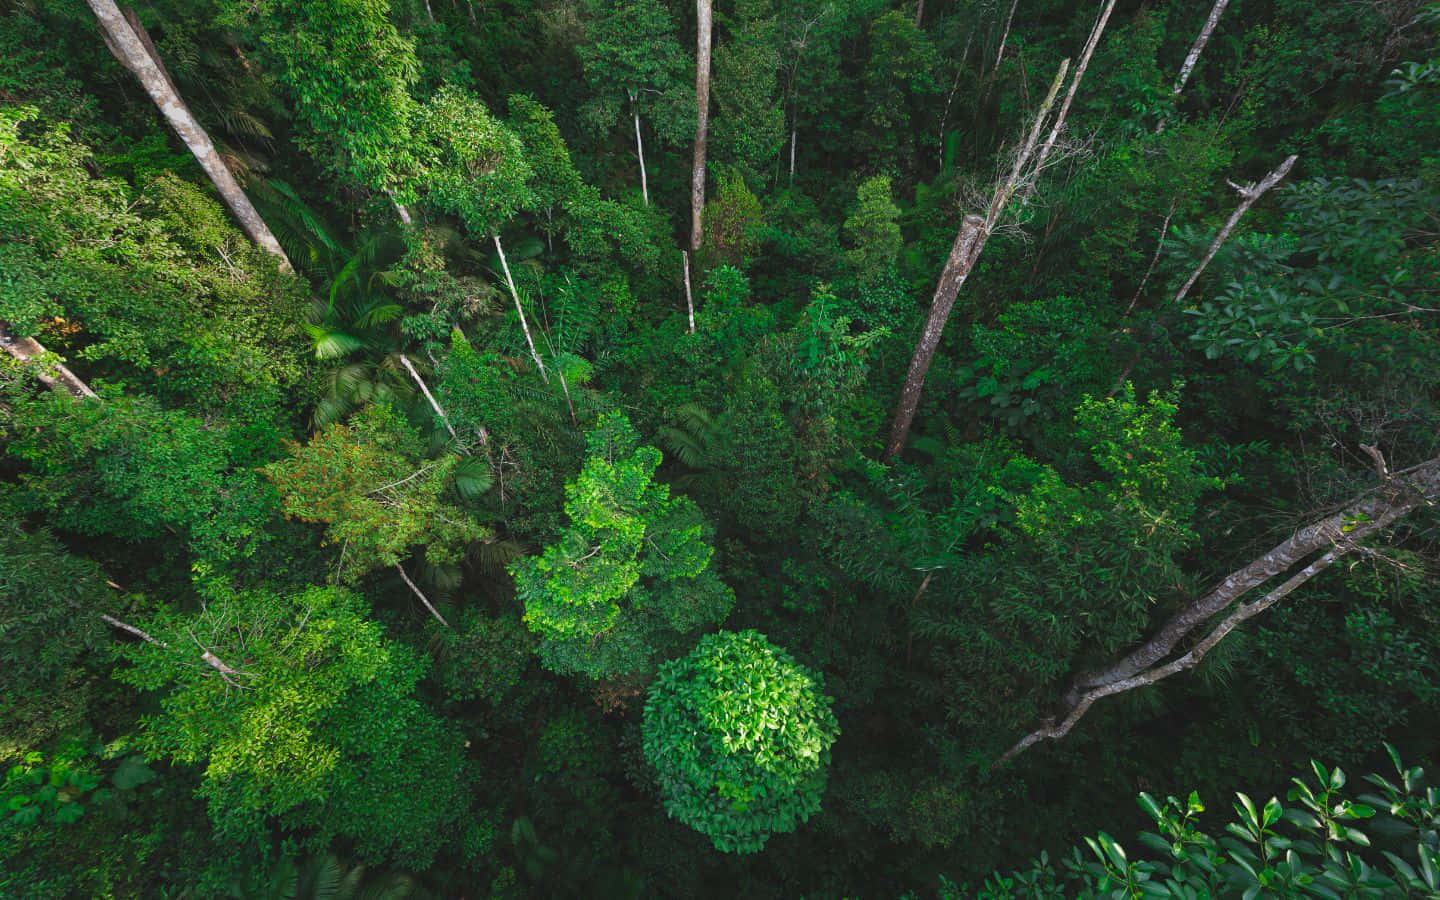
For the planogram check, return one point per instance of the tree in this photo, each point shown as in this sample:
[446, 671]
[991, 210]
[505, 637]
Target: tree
[128, 41]
[474, 167]
[315, 725]
[750, 120]
[704, 25]
[369, 483]
[739, 735]
[631, 50]
[348, 72]
[630, 575]
[1322, 543]
[873, 230]
[975, 231]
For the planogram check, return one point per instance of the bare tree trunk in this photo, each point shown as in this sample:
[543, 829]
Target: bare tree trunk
[1198, 47]
[401, 209]
[1005, 35]
[794, 135]
[689, 298]
[1248, 195]
[27, 349]
[704, 27]
[429, 13]
[969, 242]
[640, 152]
[405, 361]
[520, 310]
[1332, 537]
[418, 593]
[919, 12]
[1090, 44]
[127, 46]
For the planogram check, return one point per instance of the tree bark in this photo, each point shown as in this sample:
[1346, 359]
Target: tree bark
[1248, 195]
[520, 310]
[1005, 35]
[704, 27]
[640, 152]
[1333, 537]
[1198, 47]
[405, 361]
[689, 298]
[969, 242]
[27, 349]
[128, 47]
[418, 593]
[1090, 44]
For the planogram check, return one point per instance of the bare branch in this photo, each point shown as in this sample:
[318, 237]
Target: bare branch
[423, 599]
[28, 350]
[1334, 536]
[1248, 195]
[405, 361]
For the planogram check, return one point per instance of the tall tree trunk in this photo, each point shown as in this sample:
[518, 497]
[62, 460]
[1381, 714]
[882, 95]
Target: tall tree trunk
[28, 349]
[1005, 34]
[1248, 195]
[1198, 47]
[420, 594]
[689, 298]
[973, 235]
[794, 136]
[128, 47]
[1090, 44]
[520, 310]
[919, 12]
[434, 404]
[704, 27]
[1333, 537]
[640, 151]
[969, 242]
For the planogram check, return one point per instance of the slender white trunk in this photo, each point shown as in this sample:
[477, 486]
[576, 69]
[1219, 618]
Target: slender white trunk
[704, 27]
[520, 310]
[1198, 47]
[794, 136]
[405, 360]
[1248, 195]
[1005, 35]
[128, 47]
[689, 299]
[423, 599]
[640, 152]
[1090, 44]
[429, 13]
[919, 12]
[401, 209]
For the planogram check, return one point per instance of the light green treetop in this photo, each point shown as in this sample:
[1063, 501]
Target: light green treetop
[629, 573]
[739, 735]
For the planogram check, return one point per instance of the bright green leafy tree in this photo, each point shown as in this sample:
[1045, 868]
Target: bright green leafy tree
[632, 571]
[739, 735]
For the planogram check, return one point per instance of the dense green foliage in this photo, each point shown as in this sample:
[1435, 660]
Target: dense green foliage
[740, 737]
[500, 549]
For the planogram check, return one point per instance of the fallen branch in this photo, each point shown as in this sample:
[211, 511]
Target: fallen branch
[423, 599]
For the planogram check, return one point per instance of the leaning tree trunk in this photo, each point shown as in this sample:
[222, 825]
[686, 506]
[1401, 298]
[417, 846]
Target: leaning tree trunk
[704, 26]
[28, 351]
[974, 232]
[126, 44]
[1198, 47]
[1323, 543]
[1248, 195]
[1005, 36]
[520, 311]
